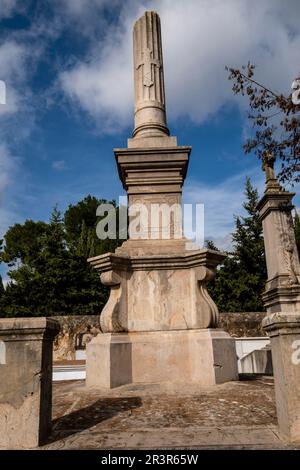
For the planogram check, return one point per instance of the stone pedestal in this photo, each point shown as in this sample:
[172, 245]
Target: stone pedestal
[25, 381]
[204, 356]
[284, 331]
[158, 292]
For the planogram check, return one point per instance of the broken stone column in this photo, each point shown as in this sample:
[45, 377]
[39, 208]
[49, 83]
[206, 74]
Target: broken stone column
[159, 324]
[25, 381]
[282, 300]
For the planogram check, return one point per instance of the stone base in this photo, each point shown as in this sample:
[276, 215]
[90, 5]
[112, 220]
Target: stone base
[205, 357]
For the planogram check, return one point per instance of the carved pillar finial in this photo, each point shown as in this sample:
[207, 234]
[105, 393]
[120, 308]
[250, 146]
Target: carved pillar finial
[268, 162]
[268, 165]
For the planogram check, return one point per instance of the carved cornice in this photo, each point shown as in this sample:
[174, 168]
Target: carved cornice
[281, 323]
[152, 166]
[28, 329]
[289, 292]
[275, 201]
[110, 261]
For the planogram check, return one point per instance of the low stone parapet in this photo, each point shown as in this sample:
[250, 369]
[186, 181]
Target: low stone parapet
[25, 381]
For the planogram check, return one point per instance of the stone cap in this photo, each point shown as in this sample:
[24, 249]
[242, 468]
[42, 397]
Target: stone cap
[29, 326]
[279, 201]
[281, 323]
[152, 142]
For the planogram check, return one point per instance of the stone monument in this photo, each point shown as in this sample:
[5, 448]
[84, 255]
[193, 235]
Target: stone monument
[159, 324]
[282, 299]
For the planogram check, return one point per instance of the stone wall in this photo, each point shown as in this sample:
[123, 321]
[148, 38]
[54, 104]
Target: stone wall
[240, 324]
[76, 331]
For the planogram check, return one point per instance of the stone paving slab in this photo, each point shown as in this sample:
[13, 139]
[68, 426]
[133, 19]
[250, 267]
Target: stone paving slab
[233, 415]
[195, 438]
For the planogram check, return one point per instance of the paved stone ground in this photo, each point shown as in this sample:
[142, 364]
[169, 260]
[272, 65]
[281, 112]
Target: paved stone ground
[233, 415]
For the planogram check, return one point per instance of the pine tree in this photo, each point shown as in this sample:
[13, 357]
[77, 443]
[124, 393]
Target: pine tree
[210, 245]
[297, 231]
[82, 248]
[49, 274]
[2, 291]
[1, 283]
[240, 281]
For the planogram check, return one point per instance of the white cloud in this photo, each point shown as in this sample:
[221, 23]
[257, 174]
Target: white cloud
[222, 201]
[200, 37]
[59, 165]
[13, 71]
[12, 59]
[8, 7]
[8, 169]
[103, 86]
[16, 123]
[5, 168]
[85, 8]
[88, 17]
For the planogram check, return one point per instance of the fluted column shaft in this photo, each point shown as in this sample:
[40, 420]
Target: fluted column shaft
[150, 112]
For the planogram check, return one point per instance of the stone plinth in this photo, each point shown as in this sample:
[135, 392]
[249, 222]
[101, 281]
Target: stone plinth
[284, 332]
[158, 292]
[203, 356]
[25, 381]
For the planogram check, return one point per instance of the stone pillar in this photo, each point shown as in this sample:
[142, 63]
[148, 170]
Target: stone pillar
[25, 381]
[282, 300]
[284, 332]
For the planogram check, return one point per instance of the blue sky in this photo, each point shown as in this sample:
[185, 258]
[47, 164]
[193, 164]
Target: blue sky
[67, 65]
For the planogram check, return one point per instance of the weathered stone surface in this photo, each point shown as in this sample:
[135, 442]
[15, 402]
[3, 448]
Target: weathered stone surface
[150, 111]
[75, 332]
[233, 415]
[25, 381]
[282, 292]
[282, 299]
[157, 280]
[258, 361]
[202, 356]
[240, 324]
[284, 332]
[151, 293]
